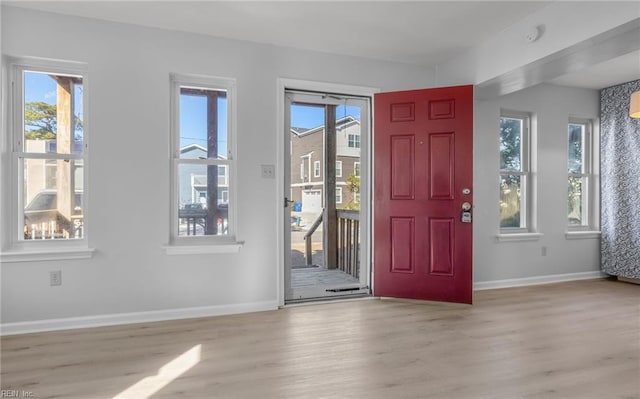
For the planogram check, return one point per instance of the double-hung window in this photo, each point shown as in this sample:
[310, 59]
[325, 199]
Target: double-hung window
[316, 169]
[579, 169]
[515, 173]
[203, 160]
[353, 140]
[49, 157]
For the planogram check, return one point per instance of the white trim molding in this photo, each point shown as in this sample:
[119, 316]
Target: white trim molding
[511, 237]
[537, 280]
[130, 318]
[229, 248]
[46, 255]
[579, 235]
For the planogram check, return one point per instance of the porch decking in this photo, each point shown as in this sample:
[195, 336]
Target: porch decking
[314, 276]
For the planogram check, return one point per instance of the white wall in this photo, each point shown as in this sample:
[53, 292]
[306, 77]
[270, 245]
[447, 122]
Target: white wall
[128, 111]
[550, 106]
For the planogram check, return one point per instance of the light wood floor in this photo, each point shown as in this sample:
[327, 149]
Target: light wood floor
[569, 340]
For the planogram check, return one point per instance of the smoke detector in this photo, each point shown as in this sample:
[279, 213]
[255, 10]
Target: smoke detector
[533, 34]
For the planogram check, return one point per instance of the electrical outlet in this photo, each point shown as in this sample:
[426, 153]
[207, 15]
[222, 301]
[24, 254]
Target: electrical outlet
[55, 277]
[268, 171]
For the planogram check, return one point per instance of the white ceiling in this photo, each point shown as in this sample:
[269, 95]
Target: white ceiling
[404, 31]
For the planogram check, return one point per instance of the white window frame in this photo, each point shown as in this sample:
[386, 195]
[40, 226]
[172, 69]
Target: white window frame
[356, 169]
[338, 195]
[316, 168]
[184, 245]
[338, 168]
[589, 218]
[14, 247]
[527, 223]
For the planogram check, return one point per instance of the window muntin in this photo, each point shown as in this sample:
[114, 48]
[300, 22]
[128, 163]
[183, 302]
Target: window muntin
[514, 172]
[579, 173]
[203, 159]
[338, 168]
[49, 153]
[338, 195]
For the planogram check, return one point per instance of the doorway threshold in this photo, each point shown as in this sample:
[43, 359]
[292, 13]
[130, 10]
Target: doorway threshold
[326, 299]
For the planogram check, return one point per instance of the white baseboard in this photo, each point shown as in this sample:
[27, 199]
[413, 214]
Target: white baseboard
[553, 278]
[130, 318]
[208, 311]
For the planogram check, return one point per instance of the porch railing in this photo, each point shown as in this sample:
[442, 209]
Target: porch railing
[349, 242]
[307, 239]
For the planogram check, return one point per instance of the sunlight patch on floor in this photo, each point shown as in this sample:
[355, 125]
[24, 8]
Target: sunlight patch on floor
[146, 387]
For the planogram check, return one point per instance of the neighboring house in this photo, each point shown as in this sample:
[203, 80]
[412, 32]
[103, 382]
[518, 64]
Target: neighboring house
[307, 152]
[193, 178]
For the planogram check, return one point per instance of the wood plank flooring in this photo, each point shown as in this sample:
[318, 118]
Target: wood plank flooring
[568, 340]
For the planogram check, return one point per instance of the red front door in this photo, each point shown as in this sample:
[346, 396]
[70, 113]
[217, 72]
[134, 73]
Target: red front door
[423, 142]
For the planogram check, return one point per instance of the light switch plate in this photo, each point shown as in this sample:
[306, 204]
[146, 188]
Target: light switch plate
[268, 171]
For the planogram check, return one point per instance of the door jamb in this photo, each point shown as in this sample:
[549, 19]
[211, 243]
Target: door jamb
[309, 85]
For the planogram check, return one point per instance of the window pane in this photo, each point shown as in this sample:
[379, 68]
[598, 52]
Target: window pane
[52, 195]
[52, 113]
[203, 123]
[510, 201]
[203, 200]
[510, 144]
[576, 148]
[576, 200]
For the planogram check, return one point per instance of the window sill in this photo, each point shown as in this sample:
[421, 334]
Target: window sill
[513, 237]
[226, 248]
[582, 235]
[46, 255]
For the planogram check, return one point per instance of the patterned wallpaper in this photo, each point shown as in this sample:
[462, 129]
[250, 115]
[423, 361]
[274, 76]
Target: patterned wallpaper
[620, 182]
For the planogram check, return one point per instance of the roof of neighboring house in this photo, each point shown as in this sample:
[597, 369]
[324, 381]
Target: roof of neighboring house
[192, 147]
[299, 130]
[197, 147]
[341, 123]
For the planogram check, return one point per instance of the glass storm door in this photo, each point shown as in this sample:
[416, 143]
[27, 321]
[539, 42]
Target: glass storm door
[325, 210]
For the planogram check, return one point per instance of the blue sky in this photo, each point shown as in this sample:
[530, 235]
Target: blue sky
[308, 116]
[193, 122]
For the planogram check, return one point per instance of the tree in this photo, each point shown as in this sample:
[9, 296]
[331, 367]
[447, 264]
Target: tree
[510, 130]
[40, 120]
[353, 185]
[510, 160]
